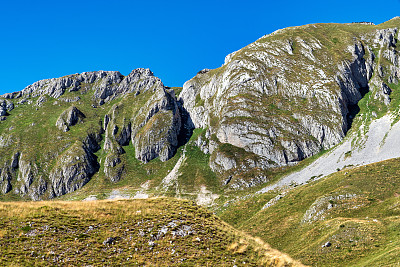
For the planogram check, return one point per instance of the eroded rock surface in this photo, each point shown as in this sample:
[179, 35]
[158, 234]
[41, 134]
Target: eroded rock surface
[288, 96]
[69, 118]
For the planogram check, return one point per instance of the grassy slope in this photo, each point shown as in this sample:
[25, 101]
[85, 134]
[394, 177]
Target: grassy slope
[363, 228]
[152, 232]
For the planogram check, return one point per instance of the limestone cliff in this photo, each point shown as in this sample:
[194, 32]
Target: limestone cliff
[290, 94]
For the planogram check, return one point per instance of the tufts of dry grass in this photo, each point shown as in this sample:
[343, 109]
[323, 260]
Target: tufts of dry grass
[156, 232]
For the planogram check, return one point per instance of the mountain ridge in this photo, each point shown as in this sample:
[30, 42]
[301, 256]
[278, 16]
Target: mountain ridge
[264, 109]
[278, 141]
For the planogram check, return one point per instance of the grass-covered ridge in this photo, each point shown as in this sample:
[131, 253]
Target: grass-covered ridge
[356, 211]
[156, 232]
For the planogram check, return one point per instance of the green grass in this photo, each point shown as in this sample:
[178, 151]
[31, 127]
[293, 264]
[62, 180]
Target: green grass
[362, 228]
[195, 171]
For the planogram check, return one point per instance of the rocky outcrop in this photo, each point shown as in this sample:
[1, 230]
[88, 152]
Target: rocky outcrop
[115, 138]
[5, 180]
[152, 129]
[15, 161]
[139, 81]
[5, 106]
[73, 170]
[69, 118]
[382, 90]
[158, 124]
[105, 86]
[385, 38]
[28, 170]
[159, 137]
[320, 208]
[71, 165]
[271, 97]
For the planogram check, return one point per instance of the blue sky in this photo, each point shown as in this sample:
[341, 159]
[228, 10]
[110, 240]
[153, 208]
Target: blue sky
[175, 39]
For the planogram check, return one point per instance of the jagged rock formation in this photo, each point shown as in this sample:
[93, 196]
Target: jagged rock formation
[144, 114]
[69, 118]
[152, 128]
[5, 106]
[275, 102]
[289, 95]
[74, 169]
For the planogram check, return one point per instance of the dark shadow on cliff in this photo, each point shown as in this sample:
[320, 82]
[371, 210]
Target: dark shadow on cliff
[187, 125]
[355, 109]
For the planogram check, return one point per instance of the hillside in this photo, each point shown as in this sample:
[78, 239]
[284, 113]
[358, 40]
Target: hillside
[292, 94]
[349, 218]
[156, 232]
[293, 139]
[286, 97]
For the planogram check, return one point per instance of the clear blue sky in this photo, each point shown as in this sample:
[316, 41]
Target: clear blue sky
[175, 39]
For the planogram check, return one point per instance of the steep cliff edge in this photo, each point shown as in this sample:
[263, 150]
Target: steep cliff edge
[290, 95]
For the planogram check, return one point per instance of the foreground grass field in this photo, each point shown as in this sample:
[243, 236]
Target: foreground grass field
[152, 232]
[350, 218]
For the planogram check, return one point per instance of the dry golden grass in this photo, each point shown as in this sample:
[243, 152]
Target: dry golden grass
[268, 255]
[49, 232]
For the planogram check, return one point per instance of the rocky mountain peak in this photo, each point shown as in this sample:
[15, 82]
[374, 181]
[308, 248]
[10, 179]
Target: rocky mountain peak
[105, 85]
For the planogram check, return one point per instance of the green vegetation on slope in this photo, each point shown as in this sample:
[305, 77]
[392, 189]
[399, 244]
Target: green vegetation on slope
[355, 213]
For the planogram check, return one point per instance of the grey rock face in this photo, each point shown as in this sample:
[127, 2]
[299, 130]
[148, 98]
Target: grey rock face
[222, 163]
[161, 140]
[27, 173]
[153, 129]
[113, 168]
[106, 85]
[38, 189]
[41, 100]
[263, 135]
[159, 124]
[386, 37]
[382, 91]
[15, 160]
[271, 97]
[139, 81]
[5, 105]
[115, 137]
[73, 170]
[5, 180]
[69, 118]
[124, 135]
